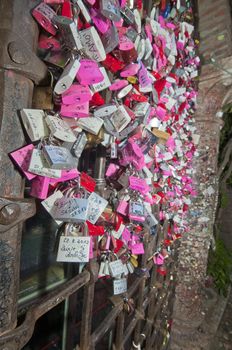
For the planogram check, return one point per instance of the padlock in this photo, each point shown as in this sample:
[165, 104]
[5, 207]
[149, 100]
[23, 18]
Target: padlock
[111, 9]
[60, 129]
[45, 15]
[71, 209]
[75, 110]
[136, 211]
[34, 123]
[49, 43]
[76, 94]
[104, 84]
[79, 145]
[84, 10]
[74, 246]
[102, 23]
[22, 158]
[110, 39]
[120, 118]
[128, 15]
[39, 166]
[96, 206]
[91, 124]
[92, 44]
[39, 187]
[70, 35]
[104, 111]
[67, 77]
[59, 157]
[89, 72]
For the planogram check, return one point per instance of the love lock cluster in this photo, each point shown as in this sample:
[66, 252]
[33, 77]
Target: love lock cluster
[123, 91]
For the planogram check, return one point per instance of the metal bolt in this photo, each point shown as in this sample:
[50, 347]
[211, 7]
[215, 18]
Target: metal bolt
[16, 53]
[9, 213]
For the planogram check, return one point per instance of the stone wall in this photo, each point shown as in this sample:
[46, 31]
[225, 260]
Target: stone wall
[214, 20]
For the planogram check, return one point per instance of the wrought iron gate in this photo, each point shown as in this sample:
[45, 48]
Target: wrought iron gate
[147, 322]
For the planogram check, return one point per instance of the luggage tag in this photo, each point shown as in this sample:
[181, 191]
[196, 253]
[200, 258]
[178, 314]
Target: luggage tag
[120, 118]
[49, 43]
[39, 166]
[76, 94]
[136, 211]
[60, 129]
[75, 110]
[34, 123]
[102, 24]
[67, 77]
[39, 187]
[118, 84]
[96, 206]
[74, 248]
[48, 203]
[104, 111]
[79, 145]
[104, 84]
[89, 73]
[69, 33]
[120, 286]
[128, 15]
[45, 15]
[59, 157]
[130, 70]
[111, 9]
[110, 39]
[91, 124]
[22, 158]
[92, 44]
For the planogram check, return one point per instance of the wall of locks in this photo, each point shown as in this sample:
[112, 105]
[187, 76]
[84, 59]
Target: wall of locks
[109, 156]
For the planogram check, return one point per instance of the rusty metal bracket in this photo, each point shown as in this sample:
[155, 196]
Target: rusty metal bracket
[14, 211]
[16, 55]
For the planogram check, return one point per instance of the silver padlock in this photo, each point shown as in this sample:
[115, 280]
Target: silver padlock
[120, 119]
[110, 39]
[128, 15]
[60, 129]
[69, 32]
[92, 44]
[59, 157]
[67, 77]
[79, 145]
[111, 9]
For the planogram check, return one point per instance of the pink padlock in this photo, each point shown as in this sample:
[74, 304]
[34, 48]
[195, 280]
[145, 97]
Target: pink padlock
[112, 169]
[22, 158]
[39, 187]
[102, 23]
[144, 79]
[76, 94]
[49, 43]
[44, 16]
[89, 73]
[126, 46]
[91, 2]
[75, 110]
[158, 259]
[123, 207]
[130, 70]
[118, 85]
